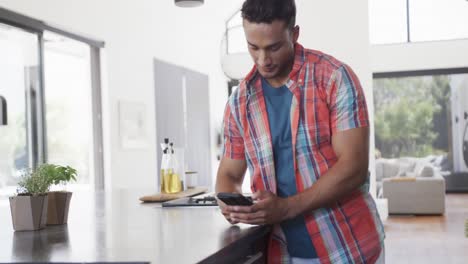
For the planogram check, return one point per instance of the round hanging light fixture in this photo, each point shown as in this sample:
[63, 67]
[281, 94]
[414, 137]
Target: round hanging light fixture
[188, 3]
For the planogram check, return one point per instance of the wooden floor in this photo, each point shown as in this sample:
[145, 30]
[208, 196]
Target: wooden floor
[429, 239]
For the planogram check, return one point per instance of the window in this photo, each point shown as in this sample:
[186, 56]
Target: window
[438, 19]
[19, 75]
[398, 21]
[422, 117]
[68, 105]
[50, 81]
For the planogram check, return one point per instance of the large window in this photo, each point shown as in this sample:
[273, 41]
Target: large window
[397, 21]
[50, 81]
[67, 79]
[18, 78]
[422, 117]
[421, 126]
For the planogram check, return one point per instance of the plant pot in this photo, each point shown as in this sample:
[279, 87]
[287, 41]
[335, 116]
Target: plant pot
[59, 202]
[28, 212]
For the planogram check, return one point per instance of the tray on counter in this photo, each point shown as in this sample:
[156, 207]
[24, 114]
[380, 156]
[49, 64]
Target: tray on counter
[163, 197]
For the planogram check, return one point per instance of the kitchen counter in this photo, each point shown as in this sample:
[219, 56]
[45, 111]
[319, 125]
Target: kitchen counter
[117, 227]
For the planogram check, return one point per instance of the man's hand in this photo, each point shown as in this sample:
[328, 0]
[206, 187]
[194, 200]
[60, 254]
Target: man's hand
[268, 209]
[229, 179]
[226, 212]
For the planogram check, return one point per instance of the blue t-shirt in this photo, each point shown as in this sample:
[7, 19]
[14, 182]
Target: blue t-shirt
[278, 104]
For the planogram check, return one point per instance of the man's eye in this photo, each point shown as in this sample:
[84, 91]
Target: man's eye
[253, 48]
[276, 47]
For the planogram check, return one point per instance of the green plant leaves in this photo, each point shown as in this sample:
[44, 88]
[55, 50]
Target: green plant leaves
[38, 181]
[33, 184]
[57, 174]
[410, 115]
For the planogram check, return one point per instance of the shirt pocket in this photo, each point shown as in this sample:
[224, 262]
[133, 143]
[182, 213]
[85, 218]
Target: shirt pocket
[315, 120]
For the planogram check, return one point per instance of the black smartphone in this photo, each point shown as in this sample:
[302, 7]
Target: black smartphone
[235, 199]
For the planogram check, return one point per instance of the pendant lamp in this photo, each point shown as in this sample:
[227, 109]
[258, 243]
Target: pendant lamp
[188, 3]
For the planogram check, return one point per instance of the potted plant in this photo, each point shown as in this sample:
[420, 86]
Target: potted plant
[58, 201]
[29, 206]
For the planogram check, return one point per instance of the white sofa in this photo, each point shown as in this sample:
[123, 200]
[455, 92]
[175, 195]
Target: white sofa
[411, 186]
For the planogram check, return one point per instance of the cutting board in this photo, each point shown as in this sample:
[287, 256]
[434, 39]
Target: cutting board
[162, 197]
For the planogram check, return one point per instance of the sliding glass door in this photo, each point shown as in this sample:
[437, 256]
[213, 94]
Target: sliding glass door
[19, 81]
[423, 118]
[50, 81]
[68, 105]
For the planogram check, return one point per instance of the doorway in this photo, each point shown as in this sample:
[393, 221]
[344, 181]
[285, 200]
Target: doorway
[19, 79]
[50, 84]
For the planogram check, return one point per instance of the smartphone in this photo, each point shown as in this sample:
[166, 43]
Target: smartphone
[235, 199]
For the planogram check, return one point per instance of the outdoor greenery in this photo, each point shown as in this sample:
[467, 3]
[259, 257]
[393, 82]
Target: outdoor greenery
[38, 181]
[411, 115]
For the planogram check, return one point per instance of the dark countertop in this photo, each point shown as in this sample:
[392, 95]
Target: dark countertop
[117, 227]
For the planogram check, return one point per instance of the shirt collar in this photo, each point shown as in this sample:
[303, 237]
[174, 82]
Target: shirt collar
[299, 59]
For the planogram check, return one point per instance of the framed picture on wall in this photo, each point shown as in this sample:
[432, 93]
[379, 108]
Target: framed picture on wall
[132, 125]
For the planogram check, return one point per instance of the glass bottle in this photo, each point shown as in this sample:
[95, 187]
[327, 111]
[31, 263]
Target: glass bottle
[165, 173]
[174, 177]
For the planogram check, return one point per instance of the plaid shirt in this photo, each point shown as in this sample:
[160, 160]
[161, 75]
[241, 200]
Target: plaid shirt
[328, 98]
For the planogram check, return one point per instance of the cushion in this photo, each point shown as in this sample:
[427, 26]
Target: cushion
[423, 169]
[426, 171]
[390, 168]
[405, 167]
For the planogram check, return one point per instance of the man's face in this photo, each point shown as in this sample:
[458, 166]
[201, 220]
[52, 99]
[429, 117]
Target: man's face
[271, 47]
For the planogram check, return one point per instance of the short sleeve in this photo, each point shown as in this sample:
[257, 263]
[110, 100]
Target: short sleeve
[347, 102]
[233, 143]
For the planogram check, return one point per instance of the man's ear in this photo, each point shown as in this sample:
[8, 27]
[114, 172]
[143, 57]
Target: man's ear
[295, 34]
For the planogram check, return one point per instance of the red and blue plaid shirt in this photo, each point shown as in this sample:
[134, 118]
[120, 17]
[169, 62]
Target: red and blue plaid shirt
[328, 98]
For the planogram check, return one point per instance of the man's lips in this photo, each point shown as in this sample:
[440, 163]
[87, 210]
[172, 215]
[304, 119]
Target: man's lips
[268, 69]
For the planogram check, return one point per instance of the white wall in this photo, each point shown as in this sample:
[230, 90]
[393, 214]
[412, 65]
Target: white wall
[341, 28]
[419, 56]
[135, 32]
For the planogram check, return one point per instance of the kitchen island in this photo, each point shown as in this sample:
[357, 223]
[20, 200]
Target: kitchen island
[116, 227]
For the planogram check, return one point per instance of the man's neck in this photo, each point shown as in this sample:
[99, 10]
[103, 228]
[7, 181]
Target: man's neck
[277, 81]
[282, 78]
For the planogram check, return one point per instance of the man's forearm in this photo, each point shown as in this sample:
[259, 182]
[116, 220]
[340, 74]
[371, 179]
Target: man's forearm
[230, 175]
[226, 183]
[339, 181]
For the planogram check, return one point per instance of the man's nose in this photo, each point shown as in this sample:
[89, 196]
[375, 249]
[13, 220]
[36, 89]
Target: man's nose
[263, 59]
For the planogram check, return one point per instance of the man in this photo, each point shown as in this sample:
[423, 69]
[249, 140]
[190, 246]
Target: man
[299, 122]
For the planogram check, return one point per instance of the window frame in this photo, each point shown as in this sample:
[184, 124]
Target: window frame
[408, 31]
[38, 131]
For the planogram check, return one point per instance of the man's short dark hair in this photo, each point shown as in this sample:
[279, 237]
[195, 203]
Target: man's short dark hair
[266, 11]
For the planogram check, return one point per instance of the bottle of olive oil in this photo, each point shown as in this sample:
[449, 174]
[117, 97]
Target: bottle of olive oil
[164, 177]
[174, 177]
